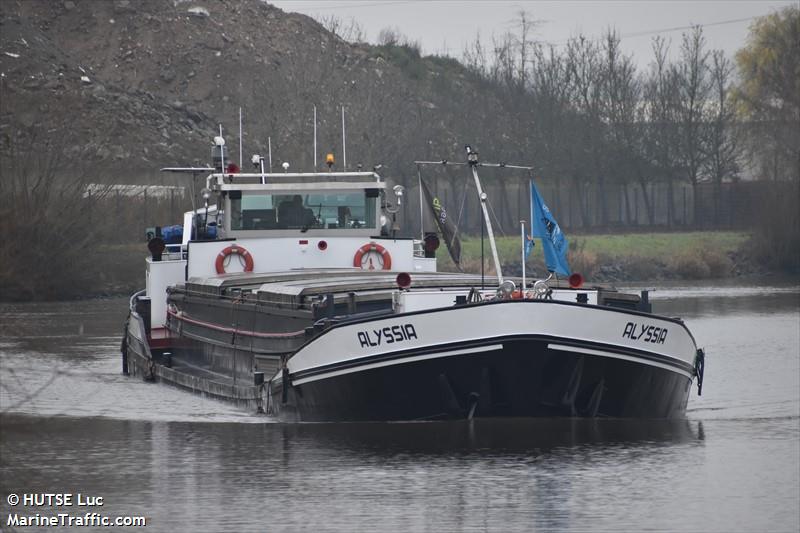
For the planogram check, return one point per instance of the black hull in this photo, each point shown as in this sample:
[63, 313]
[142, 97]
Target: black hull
[202, 368]
[521, 378]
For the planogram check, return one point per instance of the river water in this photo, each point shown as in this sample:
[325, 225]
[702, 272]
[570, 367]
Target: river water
[71, 423]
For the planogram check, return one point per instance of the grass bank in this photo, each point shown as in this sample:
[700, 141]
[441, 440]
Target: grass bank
[120, 269]
[632, 256]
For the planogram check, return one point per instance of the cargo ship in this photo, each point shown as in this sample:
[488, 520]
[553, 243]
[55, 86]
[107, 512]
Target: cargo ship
[292, 294]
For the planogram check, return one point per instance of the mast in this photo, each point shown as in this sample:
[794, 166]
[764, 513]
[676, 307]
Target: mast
[421, 208]
[269, 143]
[522, 243]
[315, 138]
[472, 160]
[222, 148]
[344, 145]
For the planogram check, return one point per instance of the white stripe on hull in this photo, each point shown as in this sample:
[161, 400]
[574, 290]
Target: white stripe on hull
[414, 358]
[591, 351]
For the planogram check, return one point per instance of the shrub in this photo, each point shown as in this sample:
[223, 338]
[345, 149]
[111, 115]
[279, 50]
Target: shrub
[49, 244]
[776, 236]
[701, 263]
[719, 264]
[690, 264]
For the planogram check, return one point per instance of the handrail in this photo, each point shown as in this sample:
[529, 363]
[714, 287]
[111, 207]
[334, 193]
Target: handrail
[134, 297]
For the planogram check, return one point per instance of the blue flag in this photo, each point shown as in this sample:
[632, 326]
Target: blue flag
[544, 226]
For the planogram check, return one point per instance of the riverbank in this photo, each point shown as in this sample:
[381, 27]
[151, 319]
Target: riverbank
[633, 257]
[626, 257]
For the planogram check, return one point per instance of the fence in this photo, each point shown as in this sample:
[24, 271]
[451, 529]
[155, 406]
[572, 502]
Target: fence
[127, 210]
[626, 208]
[121, 213]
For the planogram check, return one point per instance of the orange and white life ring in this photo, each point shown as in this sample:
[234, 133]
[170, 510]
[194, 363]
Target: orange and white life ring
[230, 250]
[386, 257]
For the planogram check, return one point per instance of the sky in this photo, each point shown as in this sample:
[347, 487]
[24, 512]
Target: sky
[444, 27]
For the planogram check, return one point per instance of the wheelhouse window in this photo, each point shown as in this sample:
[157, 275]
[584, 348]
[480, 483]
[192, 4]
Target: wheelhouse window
[340, 210]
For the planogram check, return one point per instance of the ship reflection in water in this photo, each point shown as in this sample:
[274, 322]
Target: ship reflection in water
[508, 474]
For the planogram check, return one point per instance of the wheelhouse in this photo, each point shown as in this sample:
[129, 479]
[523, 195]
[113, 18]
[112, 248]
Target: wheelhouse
[334, 204]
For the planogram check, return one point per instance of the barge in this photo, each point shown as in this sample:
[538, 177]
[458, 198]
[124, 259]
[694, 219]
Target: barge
[293, 296]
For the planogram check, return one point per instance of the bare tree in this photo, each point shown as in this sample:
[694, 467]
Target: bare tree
[693, 87]
[585, 64]
[475, 59]
[551, 89]
[350, 31]
[389, 37]
[660, 122]
[46, 208]
[722, 145]
[621, 89]
[525, 45]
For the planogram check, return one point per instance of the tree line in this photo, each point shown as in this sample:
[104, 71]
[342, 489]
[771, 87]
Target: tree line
[594, 123]
[585, 113]
[592, 116]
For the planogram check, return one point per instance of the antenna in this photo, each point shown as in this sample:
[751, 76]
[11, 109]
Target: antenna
[240, 138]
[522, 236]
[269, 144]
[421, 204]
[344, 139]
[315, 138]
[222, 149]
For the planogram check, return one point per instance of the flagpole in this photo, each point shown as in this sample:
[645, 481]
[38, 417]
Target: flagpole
[315, 138]
[522, 243]
[344, 143]
[530, 199]
[483, 263]
[421, 205]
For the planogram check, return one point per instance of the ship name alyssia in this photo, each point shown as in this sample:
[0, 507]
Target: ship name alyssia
[387, 335]
[645, 333]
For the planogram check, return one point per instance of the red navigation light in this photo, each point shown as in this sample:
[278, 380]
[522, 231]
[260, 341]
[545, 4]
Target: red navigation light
[575, 281]
[233, 168]
[303, 242]
[403, 280]
[322, 245]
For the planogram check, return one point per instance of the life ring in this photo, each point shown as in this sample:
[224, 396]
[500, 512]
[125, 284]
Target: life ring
[234, 249]
[373, 247]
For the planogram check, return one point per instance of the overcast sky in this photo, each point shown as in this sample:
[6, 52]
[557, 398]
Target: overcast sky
[447, 26]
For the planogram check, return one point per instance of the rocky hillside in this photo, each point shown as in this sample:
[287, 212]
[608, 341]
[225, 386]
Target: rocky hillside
[130, 86]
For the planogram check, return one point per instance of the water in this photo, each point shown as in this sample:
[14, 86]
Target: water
[72, 423]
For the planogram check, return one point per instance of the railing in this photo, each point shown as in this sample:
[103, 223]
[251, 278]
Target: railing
[132, 301]
[419, 248]
[173, 252]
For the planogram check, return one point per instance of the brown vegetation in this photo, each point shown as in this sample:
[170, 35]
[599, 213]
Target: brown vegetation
[47, 244]
[700, 264]
[64, 230]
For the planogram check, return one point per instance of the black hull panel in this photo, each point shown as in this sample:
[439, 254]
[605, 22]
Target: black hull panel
[521, 378]
[201, 368]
